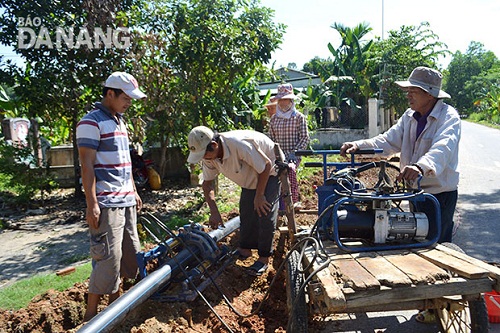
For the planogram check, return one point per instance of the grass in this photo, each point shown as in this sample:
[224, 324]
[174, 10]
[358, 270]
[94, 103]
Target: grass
[483, 122]
[4, 179]
[18, 295]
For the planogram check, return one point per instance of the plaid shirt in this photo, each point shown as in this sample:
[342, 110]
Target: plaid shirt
[291, 134]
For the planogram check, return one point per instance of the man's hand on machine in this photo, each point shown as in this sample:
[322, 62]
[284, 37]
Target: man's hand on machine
[409, 173]
[348, 148]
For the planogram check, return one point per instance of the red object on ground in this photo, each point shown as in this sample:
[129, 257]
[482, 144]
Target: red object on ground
[493, 306]
[65, 271]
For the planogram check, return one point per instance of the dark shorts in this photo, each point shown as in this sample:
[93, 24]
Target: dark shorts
[258, 232]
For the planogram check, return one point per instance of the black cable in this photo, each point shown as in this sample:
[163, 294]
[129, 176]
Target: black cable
[302, 271]
[173, 235]
[266, 296]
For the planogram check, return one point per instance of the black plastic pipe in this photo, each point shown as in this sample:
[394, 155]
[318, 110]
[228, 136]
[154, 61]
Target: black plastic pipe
[138, 294]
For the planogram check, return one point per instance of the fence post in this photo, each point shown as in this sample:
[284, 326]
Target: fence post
[372, 117]
[383, 116]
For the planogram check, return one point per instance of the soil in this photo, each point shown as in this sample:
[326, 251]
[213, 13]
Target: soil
[53, 235]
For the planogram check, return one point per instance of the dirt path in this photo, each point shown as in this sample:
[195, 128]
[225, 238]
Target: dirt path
[43, 240]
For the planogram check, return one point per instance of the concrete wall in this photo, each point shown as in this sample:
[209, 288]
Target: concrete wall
[332, 138]
[61, 155]
[60, 159]
[176, 162]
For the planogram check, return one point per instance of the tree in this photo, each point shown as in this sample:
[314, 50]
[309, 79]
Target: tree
[364, 69]
[395, 57]
[198, 60]
[322, 67]
[350, 60]
[60, 80]
[487, 102]
[466, 76]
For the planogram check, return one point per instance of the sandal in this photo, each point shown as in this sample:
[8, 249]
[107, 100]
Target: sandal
[426, 317]
[240, 256]
[257, 269]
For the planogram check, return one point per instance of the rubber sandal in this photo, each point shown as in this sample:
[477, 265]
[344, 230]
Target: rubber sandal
[257, 269]
[240, 256]
[426, 317]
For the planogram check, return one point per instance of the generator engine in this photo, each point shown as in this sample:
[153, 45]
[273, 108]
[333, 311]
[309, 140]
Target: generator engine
[382, 224]
[391, 214]
[378, 217]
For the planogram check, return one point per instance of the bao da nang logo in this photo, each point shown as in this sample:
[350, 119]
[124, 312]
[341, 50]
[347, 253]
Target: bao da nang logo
[33, 34]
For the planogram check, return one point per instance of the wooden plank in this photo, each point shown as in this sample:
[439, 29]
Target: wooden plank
[354, 275]
[350, 271]
[455, 286]
[333, 251]
[386, 273]
[328, 291]
[452, 263]
[494, 271]
[402, 306]
[286, 194]
[417, 268]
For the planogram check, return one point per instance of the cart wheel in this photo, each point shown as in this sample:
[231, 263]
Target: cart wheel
[296, 299]
[459, 316]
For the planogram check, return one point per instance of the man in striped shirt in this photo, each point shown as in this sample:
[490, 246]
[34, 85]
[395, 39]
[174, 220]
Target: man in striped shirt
[112, 200]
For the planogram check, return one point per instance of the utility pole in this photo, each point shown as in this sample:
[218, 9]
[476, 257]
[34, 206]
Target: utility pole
[382, 19]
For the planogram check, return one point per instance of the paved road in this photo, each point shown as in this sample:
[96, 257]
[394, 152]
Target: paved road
[479, 192]
[478, 213]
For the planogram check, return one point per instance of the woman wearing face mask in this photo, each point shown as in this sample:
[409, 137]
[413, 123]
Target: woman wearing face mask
[288, 128]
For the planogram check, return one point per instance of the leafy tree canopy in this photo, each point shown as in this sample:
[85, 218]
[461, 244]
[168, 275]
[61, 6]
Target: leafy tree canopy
[469, 75]
[396, 56]
[198, 60]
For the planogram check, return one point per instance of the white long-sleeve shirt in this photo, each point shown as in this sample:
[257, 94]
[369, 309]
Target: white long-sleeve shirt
[435, 150]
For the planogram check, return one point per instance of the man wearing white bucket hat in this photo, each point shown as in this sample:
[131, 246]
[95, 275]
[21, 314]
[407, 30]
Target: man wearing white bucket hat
[427, 136]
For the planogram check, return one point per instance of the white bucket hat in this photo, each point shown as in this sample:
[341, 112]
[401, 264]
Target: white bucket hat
[125, 82]
[285, 91]
[198, 140]
[427, 79]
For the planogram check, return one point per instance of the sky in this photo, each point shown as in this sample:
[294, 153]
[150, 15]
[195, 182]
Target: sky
[455, 22]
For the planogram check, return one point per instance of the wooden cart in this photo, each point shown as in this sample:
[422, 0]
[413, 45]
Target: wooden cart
[323, 277]
[440, 278]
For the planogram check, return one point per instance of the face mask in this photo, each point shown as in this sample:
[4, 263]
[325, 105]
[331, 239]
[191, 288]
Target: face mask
[287, 107]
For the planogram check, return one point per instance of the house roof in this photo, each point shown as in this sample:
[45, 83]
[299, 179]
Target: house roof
[299, 79]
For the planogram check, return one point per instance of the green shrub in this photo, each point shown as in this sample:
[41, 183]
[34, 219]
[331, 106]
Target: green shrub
[20, 175]
[478, 117]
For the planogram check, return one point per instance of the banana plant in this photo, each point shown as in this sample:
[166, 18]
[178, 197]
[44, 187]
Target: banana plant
[7, 105]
